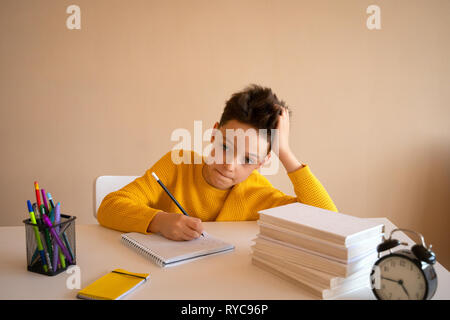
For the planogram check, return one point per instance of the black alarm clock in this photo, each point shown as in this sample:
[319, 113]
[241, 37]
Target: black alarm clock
[404, 274]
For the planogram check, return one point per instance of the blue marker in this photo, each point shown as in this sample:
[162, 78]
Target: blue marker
[52, 205]
[66, 241]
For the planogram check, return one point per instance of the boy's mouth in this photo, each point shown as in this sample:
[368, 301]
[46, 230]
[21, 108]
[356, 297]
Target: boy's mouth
[220, 173]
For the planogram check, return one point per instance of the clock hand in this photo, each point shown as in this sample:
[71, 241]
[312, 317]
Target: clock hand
[400, 282]
[389, 279]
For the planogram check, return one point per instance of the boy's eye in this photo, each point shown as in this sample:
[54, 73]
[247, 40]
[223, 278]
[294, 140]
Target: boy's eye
[249, 161]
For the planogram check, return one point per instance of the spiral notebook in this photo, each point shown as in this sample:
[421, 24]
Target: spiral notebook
[165, 252]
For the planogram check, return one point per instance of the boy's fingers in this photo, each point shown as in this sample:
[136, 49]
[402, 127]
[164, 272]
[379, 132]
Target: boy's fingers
[281, 109]
[284, 112]
[195, 224]
[190, 234]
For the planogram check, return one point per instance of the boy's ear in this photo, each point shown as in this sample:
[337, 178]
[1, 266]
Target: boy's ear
[266, 159]
[216, 126]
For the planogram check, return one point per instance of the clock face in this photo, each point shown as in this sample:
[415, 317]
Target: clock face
[400, 279]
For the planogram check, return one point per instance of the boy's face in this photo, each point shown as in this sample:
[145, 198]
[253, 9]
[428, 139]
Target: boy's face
[234, 159]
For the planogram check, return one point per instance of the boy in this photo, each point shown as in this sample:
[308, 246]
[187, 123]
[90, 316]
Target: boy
[227, 190]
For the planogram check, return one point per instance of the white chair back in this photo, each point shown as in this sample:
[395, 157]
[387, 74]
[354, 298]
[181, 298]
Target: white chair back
[107, 184]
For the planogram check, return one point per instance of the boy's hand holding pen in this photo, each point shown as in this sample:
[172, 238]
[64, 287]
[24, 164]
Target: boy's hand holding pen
[175, 226]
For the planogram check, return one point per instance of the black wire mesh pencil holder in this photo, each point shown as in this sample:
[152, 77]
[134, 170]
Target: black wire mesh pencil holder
[41, 244]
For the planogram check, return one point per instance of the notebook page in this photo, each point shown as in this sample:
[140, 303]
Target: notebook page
[170, 250]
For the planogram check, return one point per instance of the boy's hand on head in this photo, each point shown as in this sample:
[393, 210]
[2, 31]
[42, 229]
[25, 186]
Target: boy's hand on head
[176, 226]
[285, 154]
[283, 131]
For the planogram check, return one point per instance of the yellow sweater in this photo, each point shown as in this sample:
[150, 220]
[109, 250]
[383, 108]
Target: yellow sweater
[132, 208]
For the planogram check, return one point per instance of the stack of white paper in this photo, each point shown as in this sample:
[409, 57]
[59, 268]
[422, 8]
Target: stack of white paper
[325, 252]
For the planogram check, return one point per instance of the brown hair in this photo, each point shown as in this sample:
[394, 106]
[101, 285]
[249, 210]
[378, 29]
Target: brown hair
[255, 106]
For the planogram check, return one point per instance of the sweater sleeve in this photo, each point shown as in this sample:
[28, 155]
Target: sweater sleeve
[308, 189]
[132, 208]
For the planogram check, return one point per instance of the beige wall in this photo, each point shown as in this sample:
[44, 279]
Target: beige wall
[370, 108]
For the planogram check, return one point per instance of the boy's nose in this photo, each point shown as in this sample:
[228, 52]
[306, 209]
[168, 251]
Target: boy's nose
[229, 166]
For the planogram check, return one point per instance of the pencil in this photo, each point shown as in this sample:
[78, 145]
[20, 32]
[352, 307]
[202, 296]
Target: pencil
[170, 195]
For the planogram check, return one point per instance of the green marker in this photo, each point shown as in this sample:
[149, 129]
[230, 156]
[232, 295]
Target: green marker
[38, 238]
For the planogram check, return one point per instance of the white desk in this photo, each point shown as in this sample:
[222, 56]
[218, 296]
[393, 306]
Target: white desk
[225, 276]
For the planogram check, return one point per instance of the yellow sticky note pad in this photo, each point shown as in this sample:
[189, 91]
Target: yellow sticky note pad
[114, 285]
